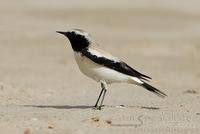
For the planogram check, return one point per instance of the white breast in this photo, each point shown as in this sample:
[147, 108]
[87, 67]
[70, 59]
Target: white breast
[99, 72]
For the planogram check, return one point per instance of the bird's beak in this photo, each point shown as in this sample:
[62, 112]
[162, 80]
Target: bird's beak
[60, 32]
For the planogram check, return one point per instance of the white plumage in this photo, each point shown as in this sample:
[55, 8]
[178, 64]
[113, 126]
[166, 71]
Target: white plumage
[101, 73]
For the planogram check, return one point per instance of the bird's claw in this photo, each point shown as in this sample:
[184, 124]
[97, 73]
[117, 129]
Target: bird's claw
[97, 108]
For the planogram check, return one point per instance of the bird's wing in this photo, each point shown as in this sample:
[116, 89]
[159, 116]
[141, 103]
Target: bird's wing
[103, 58]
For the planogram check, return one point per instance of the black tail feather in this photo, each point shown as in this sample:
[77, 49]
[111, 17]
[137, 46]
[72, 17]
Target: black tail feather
[144, 79]
[145, 76]
[154, 90]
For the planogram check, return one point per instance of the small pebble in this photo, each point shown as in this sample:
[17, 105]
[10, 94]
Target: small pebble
[191, 92]
[95, 119]
[50, 127]
[27, 131]
[109, 122]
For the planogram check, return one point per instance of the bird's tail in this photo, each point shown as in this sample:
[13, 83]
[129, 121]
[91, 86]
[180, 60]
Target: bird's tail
[139, 82]
[153, 89]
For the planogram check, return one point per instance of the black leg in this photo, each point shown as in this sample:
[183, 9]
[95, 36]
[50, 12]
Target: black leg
[104, 93]
[104, 89]
[98, 98]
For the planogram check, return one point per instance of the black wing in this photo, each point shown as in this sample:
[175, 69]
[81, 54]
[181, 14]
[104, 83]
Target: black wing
[119, 66]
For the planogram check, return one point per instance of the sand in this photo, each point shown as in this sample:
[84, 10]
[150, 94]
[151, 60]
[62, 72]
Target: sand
[43, 92]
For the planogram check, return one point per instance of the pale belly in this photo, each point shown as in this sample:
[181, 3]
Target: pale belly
[98, 72]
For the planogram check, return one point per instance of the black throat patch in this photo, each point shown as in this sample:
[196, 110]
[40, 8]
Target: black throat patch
[78, 42]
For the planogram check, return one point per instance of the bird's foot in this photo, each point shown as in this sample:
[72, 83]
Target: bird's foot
[97, 107]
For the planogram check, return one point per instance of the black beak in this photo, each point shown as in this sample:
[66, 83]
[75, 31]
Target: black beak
[60, 32]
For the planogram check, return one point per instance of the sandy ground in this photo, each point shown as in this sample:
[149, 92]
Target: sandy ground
[42, 90]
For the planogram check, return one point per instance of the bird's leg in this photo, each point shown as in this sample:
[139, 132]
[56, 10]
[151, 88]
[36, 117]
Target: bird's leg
[95, 106]
[104, 93]
[104, 89]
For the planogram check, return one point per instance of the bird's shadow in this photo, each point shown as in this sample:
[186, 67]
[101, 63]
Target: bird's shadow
[61, 106]
[89, 107]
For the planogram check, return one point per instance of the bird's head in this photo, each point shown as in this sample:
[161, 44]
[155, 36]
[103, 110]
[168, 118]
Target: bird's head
[78, 38]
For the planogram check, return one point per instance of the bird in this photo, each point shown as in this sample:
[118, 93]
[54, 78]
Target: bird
[103, 67]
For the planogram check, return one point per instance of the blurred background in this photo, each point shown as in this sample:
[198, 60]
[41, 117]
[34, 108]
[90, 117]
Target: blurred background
[160, 38]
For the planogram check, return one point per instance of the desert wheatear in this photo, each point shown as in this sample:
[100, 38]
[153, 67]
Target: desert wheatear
[101, 66]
